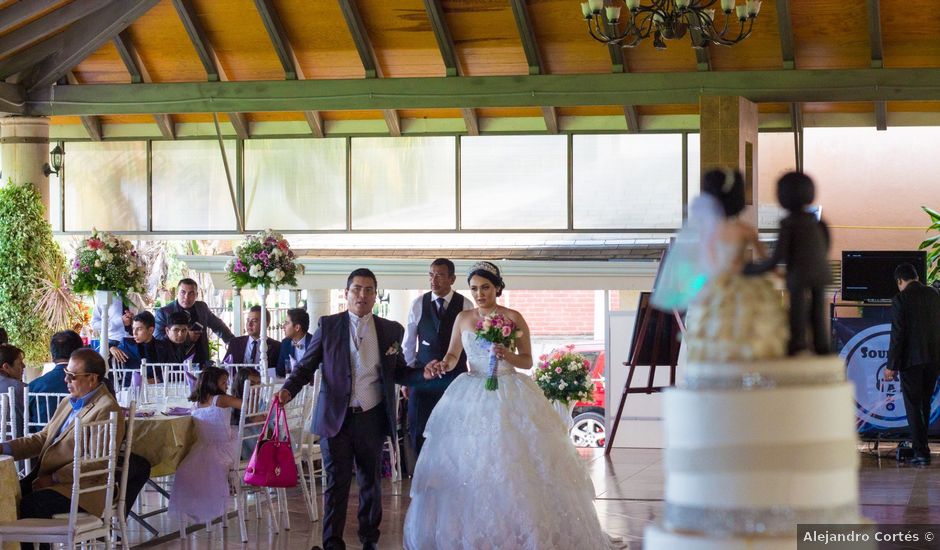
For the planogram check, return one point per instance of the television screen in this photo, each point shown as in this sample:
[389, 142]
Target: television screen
[868, 275]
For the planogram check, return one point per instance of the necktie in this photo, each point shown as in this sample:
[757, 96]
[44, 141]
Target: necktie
[253, 354]
[440, 308]
[366, 349]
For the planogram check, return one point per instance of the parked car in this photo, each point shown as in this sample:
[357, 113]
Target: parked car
[590, 428]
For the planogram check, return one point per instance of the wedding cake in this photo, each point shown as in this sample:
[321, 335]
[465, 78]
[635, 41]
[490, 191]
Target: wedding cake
[755, 442]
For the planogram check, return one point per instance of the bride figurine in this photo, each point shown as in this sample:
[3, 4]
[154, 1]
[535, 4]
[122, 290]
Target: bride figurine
[497, 469]
[730, 316]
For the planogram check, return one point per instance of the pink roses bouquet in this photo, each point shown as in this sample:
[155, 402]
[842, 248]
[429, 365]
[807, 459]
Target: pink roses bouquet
[564, 376]
[496, 328]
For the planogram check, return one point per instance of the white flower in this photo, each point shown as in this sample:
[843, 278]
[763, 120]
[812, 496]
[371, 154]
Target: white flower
[97, 263]
[276, 252]
[277, 275]
[562, 385]
[256, 270]
[130, 269]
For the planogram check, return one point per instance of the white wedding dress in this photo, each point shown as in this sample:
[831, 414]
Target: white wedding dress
[497, 470]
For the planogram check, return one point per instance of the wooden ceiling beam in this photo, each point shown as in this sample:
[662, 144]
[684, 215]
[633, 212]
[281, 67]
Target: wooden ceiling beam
[84, 37]
[278, 36]
[240, 123]
[551, 119]
[197, 36]
[48, 24]
[530, 45]
[877, 57]
[835, 85]
[16, 13]
[452, 67]
[370, 63]
[91, 123]
[12, 99]
[315, 121]
[633, 121]
[122, 42]
[785, 28]
[471, 121]
[166, 126]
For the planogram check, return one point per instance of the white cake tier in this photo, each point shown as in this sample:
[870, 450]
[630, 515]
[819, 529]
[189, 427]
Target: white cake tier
[803, 370]
[657, 538]
[789, 447]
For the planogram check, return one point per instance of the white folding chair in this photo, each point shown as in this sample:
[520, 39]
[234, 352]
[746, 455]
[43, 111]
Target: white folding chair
[297, 412]
[391, 443]
[125, 387]
[120, 504]
[33, 421]
[5, 434]
[175, 383]
[94, 463]
[310, 453]
[255, 402]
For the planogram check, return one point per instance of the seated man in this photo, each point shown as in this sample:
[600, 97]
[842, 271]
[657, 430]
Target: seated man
[11, 377]
[142, 346]
[247, 349]
[295, 342]
[47, 489]
[61, 346]
[181, 348]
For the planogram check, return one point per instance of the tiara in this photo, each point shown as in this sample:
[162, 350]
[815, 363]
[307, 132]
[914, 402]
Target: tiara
[485, 266]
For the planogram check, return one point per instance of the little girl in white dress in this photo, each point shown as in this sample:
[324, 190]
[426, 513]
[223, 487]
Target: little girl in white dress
[200, 489]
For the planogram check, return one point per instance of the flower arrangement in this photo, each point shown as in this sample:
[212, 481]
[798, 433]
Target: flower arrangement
[564, 376]
[263, 259]
[104, 262]
[496, 328]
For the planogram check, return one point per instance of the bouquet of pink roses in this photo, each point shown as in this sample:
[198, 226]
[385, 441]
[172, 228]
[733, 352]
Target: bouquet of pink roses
[565, 376]
[496, 328]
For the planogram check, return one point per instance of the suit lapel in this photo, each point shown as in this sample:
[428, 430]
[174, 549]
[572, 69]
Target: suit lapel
[344, 358]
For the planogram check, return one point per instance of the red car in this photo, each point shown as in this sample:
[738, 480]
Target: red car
[589, 428]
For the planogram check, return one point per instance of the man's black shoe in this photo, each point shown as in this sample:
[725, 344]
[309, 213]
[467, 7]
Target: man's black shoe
[920, 461]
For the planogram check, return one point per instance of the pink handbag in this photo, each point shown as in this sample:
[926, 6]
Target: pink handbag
[272, 463]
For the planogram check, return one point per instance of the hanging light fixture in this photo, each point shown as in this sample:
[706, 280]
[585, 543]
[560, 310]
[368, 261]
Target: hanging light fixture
[669, 20]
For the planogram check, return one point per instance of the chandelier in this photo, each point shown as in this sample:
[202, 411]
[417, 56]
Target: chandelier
[670, 20]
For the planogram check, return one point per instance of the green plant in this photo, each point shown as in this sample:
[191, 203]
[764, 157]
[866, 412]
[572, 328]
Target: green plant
[932, 244]
[26, 246]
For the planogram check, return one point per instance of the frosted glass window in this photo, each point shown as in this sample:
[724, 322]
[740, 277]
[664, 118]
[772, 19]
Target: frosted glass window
[514, 182]
[106, 186]
[190, 190]
[295, 183]
[628, 181]
[694, 182]
[404, 183]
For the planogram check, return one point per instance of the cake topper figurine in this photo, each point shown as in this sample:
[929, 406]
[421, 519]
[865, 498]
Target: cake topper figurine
[803, 245]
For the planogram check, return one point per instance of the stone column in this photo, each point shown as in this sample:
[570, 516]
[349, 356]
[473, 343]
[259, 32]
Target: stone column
[729, 140]
[318, 305]
[24, 149]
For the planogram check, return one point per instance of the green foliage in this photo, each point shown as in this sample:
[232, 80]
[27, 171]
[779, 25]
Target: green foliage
[26, 245]
[105, 262]
[932, 244]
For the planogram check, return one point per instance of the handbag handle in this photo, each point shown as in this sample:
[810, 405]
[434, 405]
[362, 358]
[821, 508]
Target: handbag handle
[279, 413]
[267, 420]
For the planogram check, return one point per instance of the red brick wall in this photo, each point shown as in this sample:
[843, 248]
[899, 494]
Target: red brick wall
[554, 312]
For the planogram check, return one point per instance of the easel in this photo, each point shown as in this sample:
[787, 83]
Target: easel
[648, 316]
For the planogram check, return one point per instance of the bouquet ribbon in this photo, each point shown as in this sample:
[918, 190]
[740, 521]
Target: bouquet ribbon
[492, 383]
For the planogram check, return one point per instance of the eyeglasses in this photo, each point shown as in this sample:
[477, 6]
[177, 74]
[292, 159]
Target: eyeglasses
[73, 375]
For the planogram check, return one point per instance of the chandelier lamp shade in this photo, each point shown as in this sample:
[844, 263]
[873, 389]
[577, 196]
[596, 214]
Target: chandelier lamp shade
[627, 23]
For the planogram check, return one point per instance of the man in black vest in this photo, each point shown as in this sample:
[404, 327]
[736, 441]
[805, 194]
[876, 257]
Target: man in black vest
[427, 335]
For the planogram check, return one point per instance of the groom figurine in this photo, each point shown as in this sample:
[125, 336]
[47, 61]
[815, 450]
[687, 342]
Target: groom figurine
[427, 336]
[361, 361]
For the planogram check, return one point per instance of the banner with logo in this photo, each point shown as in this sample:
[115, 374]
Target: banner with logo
[879, 405]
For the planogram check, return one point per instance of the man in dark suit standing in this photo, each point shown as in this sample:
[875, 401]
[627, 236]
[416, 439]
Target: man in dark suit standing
[247, 349]
[915, 352]
[296, 341]
[361, 360]
[427, 335]
[201, 319]
[61, 346]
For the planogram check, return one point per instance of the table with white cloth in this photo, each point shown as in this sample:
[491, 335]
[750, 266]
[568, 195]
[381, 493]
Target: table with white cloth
[9, 494]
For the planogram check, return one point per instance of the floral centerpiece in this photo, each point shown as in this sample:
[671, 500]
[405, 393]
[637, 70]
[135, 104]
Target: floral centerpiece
[564, 376]
[105, 262]
[264, 259]
[496, 328]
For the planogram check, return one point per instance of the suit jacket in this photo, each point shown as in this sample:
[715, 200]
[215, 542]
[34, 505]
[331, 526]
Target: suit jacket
[236, 350]
[329, 350]
[803, 245]
[915, 328]
[51, 382]
[199, 313]
[286, 352]
[157, 351]
[56, 453]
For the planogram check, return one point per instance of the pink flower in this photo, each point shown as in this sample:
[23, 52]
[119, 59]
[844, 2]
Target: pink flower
[544, 366]
[507, 331]
[95, 244]
[558, 370]
[543, 357]
[282, 244]
[587, 364]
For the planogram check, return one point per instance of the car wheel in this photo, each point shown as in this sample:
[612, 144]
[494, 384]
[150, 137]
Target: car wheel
[588, 430]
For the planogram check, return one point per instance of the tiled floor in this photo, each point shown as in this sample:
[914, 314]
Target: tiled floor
[629, 487]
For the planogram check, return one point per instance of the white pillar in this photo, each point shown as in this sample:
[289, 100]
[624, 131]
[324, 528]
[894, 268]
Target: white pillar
[398, 304]
[237, 312]
[318, 305]
[24, 149]
[293, 298]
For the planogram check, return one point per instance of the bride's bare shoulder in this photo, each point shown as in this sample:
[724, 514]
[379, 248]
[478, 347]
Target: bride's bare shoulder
[465, 318]
[514, 315]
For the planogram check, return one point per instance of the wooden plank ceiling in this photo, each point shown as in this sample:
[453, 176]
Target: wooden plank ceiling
[273, 40]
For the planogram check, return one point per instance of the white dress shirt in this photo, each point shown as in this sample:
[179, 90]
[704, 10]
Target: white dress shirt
[410, 343]
[115, 321]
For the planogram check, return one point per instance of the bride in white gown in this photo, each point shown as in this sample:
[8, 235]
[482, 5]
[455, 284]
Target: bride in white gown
[497, 469]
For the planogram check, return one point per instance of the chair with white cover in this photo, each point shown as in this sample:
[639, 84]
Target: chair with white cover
[95, 456]
[255, 402]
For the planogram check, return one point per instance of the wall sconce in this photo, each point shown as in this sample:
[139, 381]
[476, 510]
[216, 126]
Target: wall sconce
[56, 156]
